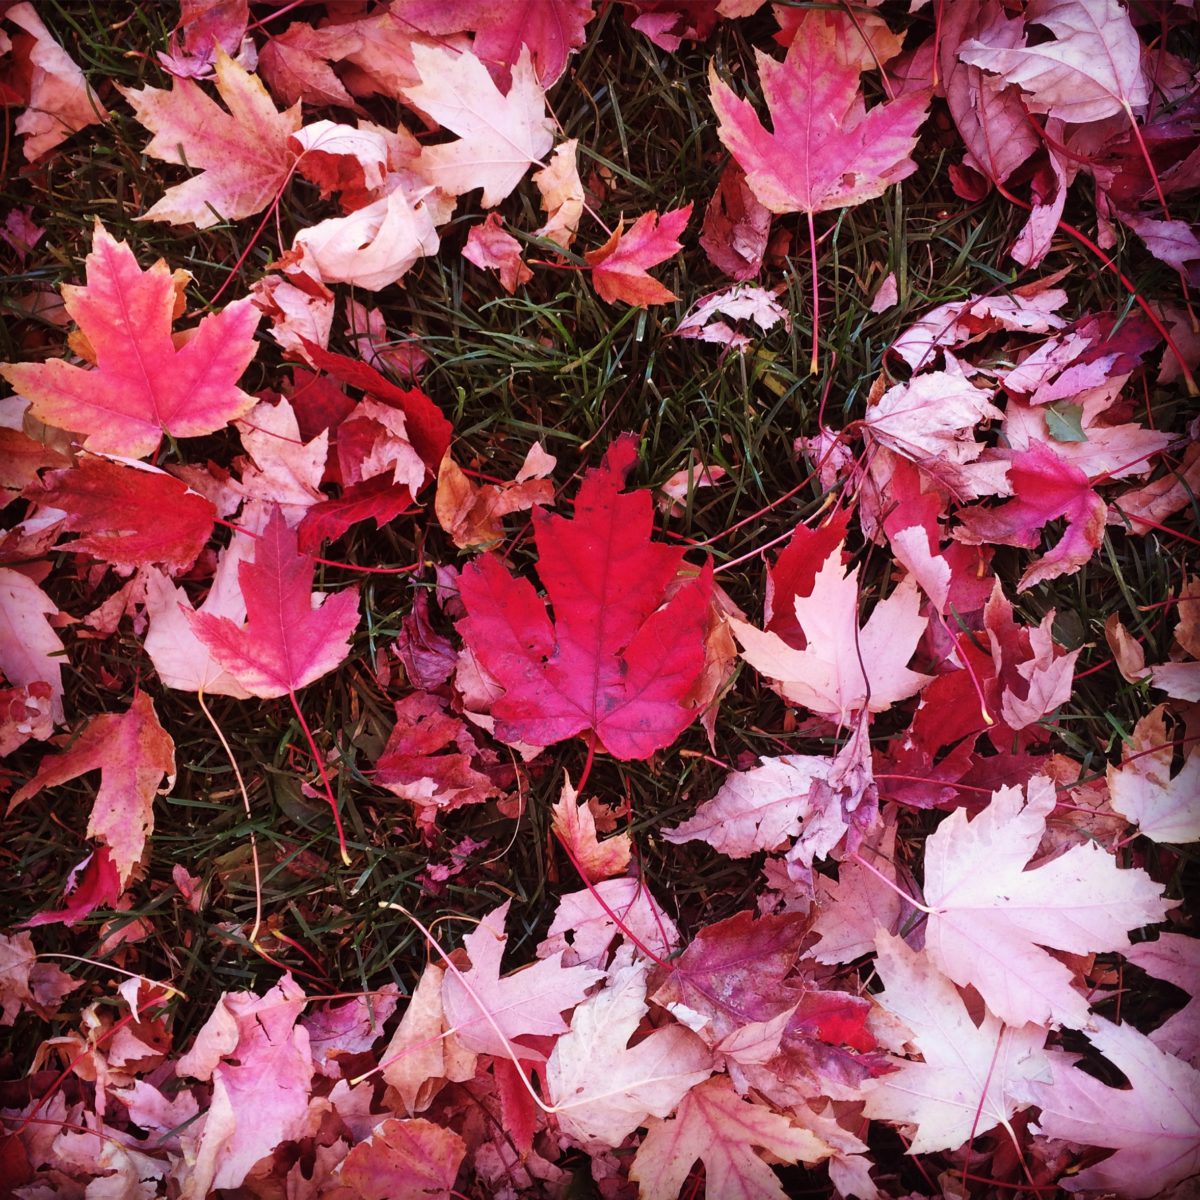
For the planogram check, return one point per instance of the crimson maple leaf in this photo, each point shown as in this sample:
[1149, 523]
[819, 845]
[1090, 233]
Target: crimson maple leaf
[619, 657]
[290, 637]
[130, 515]
[143, 384]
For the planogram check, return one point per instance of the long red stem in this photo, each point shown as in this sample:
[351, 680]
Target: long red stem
[312, 746]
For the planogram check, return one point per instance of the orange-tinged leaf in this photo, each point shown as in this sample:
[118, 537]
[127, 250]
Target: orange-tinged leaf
[405, 1160]
[576, 829]
[142, 384]
[290, 637]
[826, 150]
[715, 1126]
[132, 752]
[619, 266]
[244, 152]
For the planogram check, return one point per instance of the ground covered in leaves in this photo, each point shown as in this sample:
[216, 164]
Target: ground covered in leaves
[599, 600]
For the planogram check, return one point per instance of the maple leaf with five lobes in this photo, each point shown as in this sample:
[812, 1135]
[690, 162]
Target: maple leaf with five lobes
[500, 135]
[826, 150]
[716, 1126]
[292, 634]
[620, 658]
[244, 153]
[132, 752]
[971, 1079]
[143, 383]
[843, 669]
[991, 913]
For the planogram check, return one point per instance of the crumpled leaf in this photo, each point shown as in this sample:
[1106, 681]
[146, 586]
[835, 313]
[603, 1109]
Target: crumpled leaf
[142, 383]
[244, 153]
[132, 752]
[992, 914]
[575, 825]
[1045, 487]
[60, 100]
[261, 1068]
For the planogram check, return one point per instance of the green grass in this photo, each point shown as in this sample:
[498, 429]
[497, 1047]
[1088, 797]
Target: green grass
[553, 363]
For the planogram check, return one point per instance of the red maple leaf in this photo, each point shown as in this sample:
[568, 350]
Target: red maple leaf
[619, 657]
[290, 638]
[619, 266]
[130, 516]
[1045, 487]
[143, 383]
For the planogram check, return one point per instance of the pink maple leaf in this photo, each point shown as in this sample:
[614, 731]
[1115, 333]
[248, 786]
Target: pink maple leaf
[619, 266]
[290, 637]
[142, 383]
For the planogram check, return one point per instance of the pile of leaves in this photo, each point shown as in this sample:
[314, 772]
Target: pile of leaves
[331, 664]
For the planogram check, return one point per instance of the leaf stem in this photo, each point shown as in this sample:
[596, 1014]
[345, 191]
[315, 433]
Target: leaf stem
[312, 745]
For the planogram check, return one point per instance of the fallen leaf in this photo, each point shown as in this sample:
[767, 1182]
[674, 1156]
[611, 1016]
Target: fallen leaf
[808, 165]
[620, 657]
[562, 195]
[405, 1160]
[587, 922]
[1044, 487]
[290, 637]
[142, 384]
[492, 249]
[1174, 957]
[575, 826]
[500, 136]
[30, 650]
[971, 1077]
[529, 1003]
[993, 913]
[1143, 790]
[27, 984]
[1152, 1124]
[843, 669]
[60, 100]
[260, 1064]
[132, 514]
[717, 1127]
[244, 154]
[1091, 70]
[603, 1088]
[619, 266]
[736, 226]
[132, 752]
